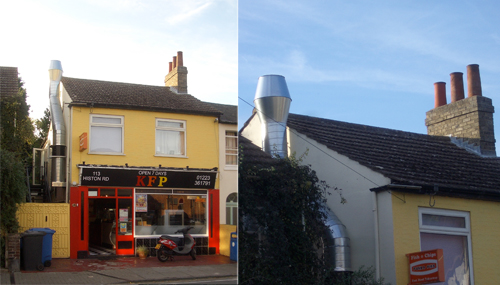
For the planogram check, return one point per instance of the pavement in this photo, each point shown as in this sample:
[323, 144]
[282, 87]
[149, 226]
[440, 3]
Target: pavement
[125, 270]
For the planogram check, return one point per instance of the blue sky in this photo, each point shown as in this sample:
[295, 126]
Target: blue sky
[122, 40]
[367, 62]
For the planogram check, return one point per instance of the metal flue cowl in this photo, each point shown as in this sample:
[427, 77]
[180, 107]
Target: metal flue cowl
[272, 101]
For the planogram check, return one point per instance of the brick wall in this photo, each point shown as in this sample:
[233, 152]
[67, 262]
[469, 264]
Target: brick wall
[14, 252]
[177, 78]
[470, 119]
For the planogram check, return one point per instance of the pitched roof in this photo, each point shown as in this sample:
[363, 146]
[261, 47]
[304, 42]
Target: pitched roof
[254, 154]
[133, 96]
[8, 81]
[404, 157]
[229, 113]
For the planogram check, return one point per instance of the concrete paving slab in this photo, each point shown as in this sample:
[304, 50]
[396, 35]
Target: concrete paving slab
[66, 278]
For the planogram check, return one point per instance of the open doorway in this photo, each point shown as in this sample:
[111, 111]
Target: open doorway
[102, 226]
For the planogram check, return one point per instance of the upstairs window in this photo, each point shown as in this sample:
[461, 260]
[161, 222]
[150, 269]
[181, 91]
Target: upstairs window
[106, 134]
[170, 137]
[450, 231]
[231, 148]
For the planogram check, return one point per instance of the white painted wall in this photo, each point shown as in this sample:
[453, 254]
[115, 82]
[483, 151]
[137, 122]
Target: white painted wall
[252, 131]
[228, 175]
[358, 213]
[386, 237]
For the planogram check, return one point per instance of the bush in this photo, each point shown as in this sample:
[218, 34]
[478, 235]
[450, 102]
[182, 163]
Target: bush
[280, 222]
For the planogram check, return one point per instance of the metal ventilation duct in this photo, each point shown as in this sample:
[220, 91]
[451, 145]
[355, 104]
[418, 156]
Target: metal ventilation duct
[58, 148]
[272, 102]
[337, 244]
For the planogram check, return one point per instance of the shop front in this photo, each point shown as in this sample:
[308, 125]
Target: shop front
[115, 209]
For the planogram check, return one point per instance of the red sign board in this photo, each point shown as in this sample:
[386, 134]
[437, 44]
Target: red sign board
[83, 141]
[426, 266]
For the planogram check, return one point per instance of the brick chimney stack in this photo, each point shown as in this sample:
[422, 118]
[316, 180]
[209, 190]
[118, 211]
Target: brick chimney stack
[176, 78]
[469, 119]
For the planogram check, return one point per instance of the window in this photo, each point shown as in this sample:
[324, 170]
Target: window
[158, 214]
[170, 137]
[232, 209]
[449, 231]
[106, 134]
[231, 148]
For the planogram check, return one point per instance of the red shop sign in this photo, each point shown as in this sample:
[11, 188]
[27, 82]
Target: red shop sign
[426, 266]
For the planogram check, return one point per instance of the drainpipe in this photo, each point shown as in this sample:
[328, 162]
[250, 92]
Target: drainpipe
[377, 245]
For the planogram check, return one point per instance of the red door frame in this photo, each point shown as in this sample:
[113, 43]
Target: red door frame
[79, 222]
[130, 238]
[214, 219]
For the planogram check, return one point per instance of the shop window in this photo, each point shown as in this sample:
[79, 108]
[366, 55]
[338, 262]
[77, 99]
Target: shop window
[450, 231]
[232, 209]
[124, 192]
[157, 214]
[107, 192]
[106, 134]
[231, 148]
[170, 138]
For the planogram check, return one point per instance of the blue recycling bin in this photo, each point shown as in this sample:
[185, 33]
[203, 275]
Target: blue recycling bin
[233, 252]
[46, 245]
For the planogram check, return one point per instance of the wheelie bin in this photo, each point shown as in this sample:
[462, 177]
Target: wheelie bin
[233, 250]
[31, 250]
[47, 245]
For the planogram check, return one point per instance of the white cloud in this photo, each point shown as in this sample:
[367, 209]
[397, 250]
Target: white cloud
[186, 13]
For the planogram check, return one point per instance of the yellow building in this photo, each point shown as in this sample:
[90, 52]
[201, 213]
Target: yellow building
[406, 193]
[133, 161]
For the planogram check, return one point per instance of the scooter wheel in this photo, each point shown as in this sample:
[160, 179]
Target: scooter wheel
[163, 255]
[193, 254]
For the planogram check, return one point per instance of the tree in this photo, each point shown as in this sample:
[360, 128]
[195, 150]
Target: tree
[17, 130]
[13, 191]
[17, 139]
[281, 222]
[42, 128]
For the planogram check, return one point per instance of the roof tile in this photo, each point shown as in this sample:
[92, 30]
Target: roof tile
[403, 156]
[134, 96]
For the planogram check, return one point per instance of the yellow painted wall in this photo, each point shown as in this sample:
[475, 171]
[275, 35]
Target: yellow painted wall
[225, 239]
[485, 233]
[139, 140]
[48, 215]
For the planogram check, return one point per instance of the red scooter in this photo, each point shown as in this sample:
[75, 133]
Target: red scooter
[168, 246]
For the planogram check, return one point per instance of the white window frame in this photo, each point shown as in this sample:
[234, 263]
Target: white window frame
[231, 206]
[121, 125]
[183, 130]
[226, 165]
[449, 230]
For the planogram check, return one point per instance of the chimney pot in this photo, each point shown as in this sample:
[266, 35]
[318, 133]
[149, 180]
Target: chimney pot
[473, 81]
[169, 66]
[174, 61]
[457, 86]
[179, 59]
[439, 94]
